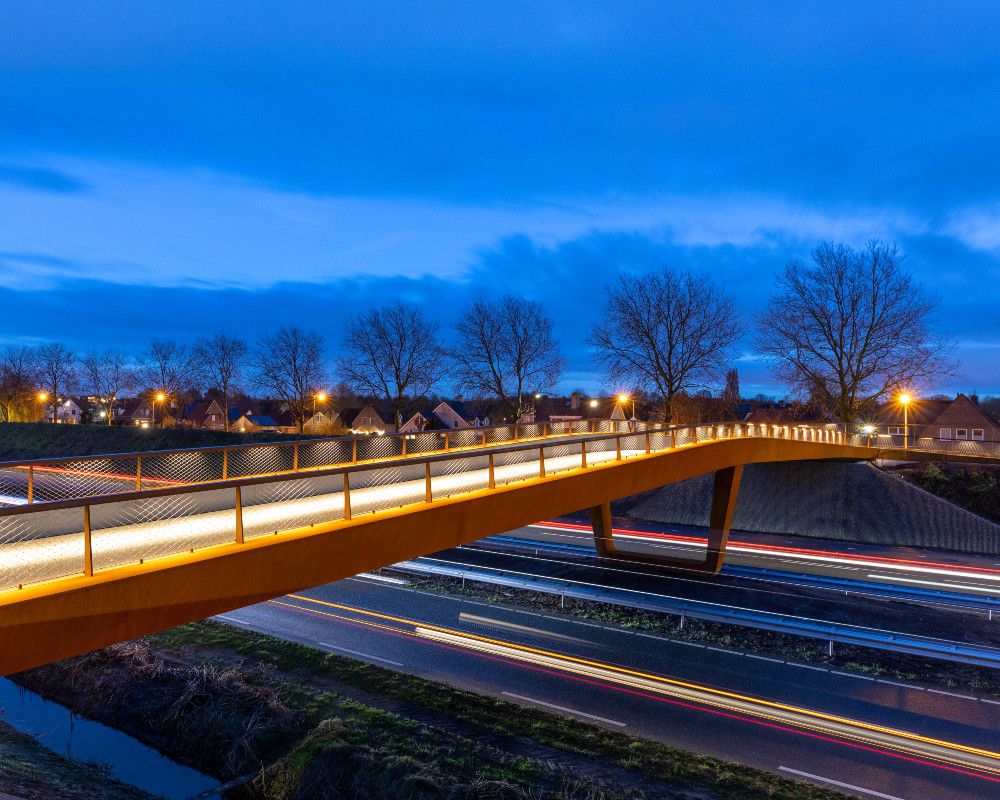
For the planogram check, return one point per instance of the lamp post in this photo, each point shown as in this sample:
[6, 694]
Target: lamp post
[868, 430]
[318, 397]
[904, 401]
[623, 399]
[159, 397]
[42, 397]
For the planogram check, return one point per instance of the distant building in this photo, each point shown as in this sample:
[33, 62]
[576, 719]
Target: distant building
[363, 420]
[252, 423]
[944, 420]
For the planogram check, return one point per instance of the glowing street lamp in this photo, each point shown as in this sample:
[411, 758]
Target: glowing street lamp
[318, 397]
[42, 397]
[868, 430]
[904, 400]
[623, 399]
[593, 403]
[159, 397]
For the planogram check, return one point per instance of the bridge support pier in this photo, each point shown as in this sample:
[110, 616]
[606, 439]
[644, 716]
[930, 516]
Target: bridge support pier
[725, 490]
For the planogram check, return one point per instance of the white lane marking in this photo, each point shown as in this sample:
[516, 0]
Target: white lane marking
[842, 785]
[951, 694]
[941, 584]
[991, 702]
[764, 658]
[850, 675]
[360, 654]
[232, 620]
[533, 701]
[381, 578]
[901, 685]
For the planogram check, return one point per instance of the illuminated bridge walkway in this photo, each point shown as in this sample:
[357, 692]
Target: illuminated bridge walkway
[81, 573]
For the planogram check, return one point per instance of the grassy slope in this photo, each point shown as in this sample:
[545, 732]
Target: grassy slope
[327, 726]
[975, 488]
[41, 440]
[32, 771]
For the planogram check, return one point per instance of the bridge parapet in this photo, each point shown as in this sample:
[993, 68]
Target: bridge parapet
[56, 539]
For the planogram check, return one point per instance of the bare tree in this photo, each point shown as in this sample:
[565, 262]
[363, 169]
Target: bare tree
[392, 352]
[56, 373]
[852, 329]
[18, 380]
[666, 333]
[220, 361]
[108, 375]
[168, 368]
[291, 368]
[505, 349]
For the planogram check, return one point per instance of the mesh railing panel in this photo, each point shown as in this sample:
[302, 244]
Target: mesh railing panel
[459, 475]
[153, 527]
[270, 508]
[382, 488]
[13, 486]
[529, 431]
[331, 452]
[260, 460]
[170, 469]
[424, 442]
[514, 466]
[502, 434]
[633, 444]
[373, 447]
[562, 457]
[40, 546]
[85, 477]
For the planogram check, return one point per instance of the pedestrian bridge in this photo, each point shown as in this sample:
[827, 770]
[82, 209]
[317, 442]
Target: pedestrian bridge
[85, 572]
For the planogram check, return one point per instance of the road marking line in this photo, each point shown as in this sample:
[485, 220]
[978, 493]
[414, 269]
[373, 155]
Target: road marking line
[851, 675]
[842, 785]
[359, 653]
[810, 666]
[992, 702]
[945, 584]
[952, 694]
[901, 685]
[533, 701]
[231, 620]
[381, 578]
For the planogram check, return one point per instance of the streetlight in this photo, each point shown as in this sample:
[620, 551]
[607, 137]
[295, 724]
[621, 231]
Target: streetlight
[318, 397]
[868, 430]
[159, 397]
[42, 397]
[623, 399]
[904, 400]
[593, 403]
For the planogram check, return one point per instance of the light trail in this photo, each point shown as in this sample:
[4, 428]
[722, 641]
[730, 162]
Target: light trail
[886, 740]
[800, 553]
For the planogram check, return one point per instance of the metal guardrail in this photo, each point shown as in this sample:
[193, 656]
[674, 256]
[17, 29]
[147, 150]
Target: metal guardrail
[61, 538]
[893, 641]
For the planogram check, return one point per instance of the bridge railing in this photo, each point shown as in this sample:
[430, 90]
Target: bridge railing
[48, 479]
[64, 538]
[944, 447]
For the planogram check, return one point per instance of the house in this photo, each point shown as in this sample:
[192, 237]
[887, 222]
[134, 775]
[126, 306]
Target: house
[67, 411]
[945, 420]
[208, 415]
[251, 423]
[323, 422]
[363, 420]
[139, 411]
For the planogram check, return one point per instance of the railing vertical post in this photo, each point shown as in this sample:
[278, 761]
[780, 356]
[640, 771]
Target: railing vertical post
[225, 463]
[484, 437]
[647, 443]
[347, 495]
[618, 447]
[593, 426]
[88, 548]
[541, 462]
[31, 483]
[694, 433]
[354, 451]
[138, 473]
[428, 497]
[493, 481]
[673, 438]
[515, 431]
[239, 515]
[404, 447]
[447, 445]
[295, 457]
[571, 427]
[583, 453]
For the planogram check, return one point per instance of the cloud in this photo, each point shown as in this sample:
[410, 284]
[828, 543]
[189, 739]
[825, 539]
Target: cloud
[40, 179]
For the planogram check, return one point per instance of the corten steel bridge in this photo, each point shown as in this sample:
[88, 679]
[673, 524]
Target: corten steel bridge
[84, 572]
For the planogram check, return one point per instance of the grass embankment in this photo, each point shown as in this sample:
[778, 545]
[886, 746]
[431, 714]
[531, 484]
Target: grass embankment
[975, 488]
[848, 658]
[24, 440]
[311, 724]
[31, 771]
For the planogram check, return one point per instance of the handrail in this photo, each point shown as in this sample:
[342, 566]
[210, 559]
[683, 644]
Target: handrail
[100, 472]
[389, 463]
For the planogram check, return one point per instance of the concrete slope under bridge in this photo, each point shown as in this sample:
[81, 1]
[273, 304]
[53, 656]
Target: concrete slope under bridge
[214, 547]
[849, 502]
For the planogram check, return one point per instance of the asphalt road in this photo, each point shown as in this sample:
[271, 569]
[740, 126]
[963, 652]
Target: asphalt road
[867, 737]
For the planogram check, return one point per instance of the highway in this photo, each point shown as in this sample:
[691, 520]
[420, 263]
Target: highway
[868, 737]
[940, 576]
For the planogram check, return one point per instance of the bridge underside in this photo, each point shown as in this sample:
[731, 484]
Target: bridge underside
[62, 618]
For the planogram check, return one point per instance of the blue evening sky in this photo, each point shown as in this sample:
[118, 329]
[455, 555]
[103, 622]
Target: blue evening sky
[173, 169]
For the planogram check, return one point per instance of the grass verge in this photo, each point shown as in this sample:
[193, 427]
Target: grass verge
[321, 725]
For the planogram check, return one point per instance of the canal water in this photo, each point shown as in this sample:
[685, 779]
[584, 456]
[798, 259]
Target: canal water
[81, 739]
